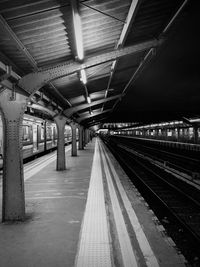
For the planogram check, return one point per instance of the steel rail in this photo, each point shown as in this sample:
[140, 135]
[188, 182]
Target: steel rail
[125, 157]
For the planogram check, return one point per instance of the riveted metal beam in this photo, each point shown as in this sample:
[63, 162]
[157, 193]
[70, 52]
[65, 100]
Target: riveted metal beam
[6, 75]
[43, 109]
[93, 115]
[91, 123]
[8, 69]
[34, 81]
[70, 111]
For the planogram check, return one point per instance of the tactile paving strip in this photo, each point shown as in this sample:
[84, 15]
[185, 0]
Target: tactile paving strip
[94, 246]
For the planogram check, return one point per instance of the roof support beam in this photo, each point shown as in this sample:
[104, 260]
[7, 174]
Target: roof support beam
[70, 111]
[12, 74]
[98, 121]
[93, 115]
[43, 109]
[34, 81]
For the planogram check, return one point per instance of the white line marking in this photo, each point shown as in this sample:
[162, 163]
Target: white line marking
[145, 247]
[128, 256]
[56, 197]
[94, 246]
[57, 194]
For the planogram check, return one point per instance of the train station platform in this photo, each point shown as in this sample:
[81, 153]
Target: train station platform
[89, 215]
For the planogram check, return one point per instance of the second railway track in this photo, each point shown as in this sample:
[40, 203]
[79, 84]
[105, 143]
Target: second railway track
[180, 201]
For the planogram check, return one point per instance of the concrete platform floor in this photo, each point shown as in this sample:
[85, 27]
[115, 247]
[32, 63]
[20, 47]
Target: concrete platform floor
[55, 203]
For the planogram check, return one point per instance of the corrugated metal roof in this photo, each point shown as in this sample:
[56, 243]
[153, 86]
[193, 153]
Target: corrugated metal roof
[44, 29]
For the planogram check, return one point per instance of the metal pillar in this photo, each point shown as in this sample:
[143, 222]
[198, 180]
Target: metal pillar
[60, 123]
[80, 143]
[12, 107]
[74, 146]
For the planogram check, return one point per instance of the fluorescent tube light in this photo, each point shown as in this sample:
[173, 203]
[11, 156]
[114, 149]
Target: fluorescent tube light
[78, 35]
[83, 76]
[88, 100]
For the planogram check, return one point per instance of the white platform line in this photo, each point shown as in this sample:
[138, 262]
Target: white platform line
[145, 247]
[94, 245]
[128, 256]
[54, 197]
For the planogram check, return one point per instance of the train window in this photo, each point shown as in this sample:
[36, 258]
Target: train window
[42, 133]
[169, 132]
[48, 132]
[26, 133]
[191, 132]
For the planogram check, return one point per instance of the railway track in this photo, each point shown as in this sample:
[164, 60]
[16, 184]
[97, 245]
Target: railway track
[184, 164]
[179, 201]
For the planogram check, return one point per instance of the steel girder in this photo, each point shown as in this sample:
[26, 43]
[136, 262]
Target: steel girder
[44, 109]
[34, 81]
[93, 115]
[70, 111]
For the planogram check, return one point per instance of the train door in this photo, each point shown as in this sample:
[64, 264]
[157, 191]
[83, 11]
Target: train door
[35, 137]
[1, 137]
[54, 135]
[38, 135]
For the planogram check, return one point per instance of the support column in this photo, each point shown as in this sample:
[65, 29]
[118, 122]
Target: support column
[74, 145]
[60, 123]
[80, 143]
[12, 107]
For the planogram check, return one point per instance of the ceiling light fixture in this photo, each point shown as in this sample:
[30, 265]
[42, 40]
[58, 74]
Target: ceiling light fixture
[88, 100]
[83, 77]
[77, 30]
